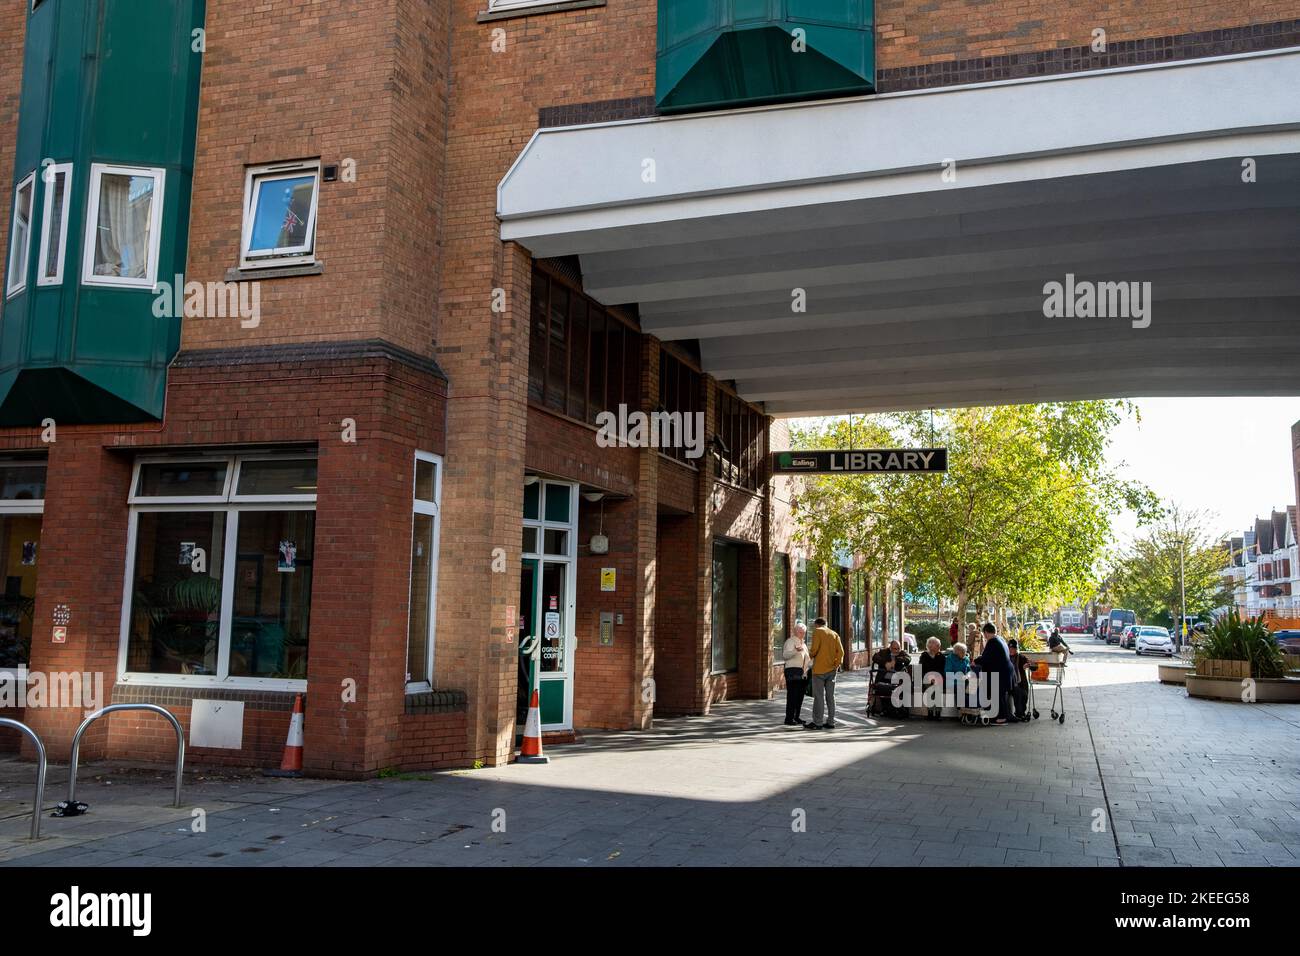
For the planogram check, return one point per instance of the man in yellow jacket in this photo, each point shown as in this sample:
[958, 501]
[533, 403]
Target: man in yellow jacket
[827, 654]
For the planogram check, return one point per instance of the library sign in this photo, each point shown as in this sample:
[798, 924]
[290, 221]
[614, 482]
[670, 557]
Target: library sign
[867, 461]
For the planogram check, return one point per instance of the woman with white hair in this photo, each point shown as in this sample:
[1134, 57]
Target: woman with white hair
[798, 662]
[932, 663]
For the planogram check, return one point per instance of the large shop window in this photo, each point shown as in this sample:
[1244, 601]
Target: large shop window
[280, 215]
[880, 637]
[123, 227]
[424, 571]
[583, 359]
[744, 433]
[679, 392]
[21, 234]
[726, 607]
[858, 609]
[22, 500]
[219, 571]
[780, 598]
[807, 592]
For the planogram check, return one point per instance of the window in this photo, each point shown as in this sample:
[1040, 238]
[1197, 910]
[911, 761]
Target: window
[21, 234]
[780, 597]
[424, 571]
[22, 494]
[743, 430]
[54, 223]
[858, 609]
[123, 226]
[219, 571]
[582, 358]
[280, 215]
[726, 607]
[878, 615]
[807, 593]
[679, 391]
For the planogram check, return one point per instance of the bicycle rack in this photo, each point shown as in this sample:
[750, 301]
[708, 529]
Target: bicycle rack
[114, 708]
[40, 772]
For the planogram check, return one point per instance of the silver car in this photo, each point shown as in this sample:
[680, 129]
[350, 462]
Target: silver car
[1153, 640]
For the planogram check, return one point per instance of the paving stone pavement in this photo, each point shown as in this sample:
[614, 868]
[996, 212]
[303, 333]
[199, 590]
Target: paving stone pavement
[1138, 775]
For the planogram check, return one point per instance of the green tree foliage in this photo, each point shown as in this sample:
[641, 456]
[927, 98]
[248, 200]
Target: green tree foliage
[1146, 579]
[1020, 515]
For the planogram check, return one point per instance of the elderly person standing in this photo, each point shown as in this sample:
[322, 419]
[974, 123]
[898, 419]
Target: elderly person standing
[797, 662]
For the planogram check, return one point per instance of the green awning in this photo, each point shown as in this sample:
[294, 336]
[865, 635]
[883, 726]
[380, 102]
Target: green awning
[719, 53]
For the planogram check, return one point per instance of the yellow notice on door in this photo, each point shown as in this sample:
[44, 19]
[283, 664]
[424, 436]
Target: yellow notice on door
[607, 578]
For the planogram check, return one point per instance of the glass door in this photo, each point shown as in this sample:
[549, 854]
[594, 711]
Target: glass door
[550, 554]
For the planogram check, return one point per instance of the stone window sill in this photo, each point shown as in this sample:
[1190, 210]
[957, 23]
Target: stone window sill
[283, 272]
[488, 16]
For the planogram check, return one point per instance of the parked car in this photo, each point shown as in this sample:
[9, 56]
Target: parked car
[1125, 639]
[1153, 640]
[1288, 640]
[1043, 629]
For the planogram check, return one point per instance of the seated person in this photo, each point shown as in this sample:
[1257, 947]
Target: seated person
[1057, 643]
[1020, 693]
[885, 663]
[956, 667]
[932, 668]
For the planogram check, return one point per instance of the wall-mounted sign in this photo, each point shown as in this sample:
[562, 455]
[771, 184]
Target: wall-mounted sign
[866, 461]
[60, 636]
[62, 615]
[551, 629]
[608, 577]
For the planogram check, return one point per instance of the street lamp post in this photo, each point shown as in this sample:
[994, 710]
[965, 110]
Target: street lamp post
[1182, 592]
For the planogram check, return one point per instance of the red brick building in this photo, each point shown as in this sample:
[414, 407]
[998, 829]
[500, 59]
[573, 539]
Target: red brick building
[393, 465]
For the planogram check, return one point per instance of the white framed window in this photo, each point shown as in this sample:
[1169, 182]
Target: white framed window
[422, 621]
[495, 5]
[218, 579]
[280, 215]
[123, 226]
[57, 179]
[21, 234]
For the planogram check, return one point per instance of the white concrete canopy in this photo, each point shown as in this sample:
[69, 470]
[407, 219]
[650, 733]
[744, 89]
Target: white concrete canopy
[927, 290]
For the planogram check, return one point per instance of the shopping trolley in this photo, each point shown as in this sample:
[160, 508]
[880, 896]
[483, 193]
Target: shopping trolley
[1055, 662]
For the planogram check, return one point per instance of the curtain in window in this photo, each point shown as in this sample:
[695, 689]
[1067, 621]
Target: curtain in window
[122, 239]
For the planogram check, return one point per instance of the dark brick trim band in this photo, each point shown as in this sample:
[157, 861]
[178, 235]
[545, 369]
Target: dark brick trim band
[435, 701]
[296, 352]
[184, 696]
[1011, 66]
[1253, 38]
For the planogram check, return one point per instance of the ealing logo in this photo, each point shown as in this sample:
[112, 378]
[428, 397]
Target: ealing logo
[655, 430]
[74, 909]
[1098, 300]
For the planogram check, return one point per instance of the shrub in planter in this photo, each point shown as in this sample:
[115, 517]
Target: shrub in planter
[1237, 648]
[924, 630]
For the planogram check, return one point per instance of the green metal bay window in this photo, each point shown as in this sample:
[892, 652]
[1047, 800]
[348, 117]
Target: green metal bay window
[101, 185]
[714, 54]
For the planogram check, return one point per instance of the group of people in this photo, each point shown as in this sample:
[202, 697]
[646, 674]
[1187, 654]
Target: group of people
[811, 666]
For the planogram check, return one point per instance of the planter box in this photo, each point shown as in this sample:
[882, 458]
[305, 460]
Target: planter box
[1174, 673]
[1268, 690]
[1239, 670]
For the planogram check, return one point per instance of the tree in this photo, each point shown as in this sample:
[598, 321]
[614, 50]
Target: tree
[1147, 578]
[1018, 517]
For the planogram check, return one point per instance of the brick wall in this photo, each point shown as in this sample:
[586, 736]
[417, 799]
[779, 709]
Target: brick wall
[13, 30]
[362, 81]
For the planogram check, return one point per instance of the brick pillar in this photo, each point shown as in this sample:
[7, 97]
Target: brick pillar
[704, 510]
[485, 356]
[81, 563]
[645, 587]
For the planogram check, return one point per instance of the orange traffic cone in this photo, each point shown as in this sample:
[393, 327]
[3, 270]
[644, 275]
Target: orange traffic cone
[292, 762]
[531, 749]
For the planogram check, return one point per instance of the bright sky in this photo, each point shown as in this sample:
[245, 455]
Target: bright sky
[1228, 456]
